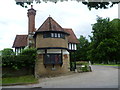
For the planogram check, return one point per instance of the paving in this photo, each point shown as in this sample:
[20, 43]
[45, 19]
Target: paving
[100, 77]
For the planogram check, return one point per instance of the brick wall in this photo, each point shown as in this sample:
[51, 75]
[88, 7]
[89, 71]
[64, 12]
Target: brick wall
[41, 71]
[51, 42]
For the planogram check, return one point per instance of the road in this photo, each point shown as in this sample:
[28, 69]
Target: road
[100, 77]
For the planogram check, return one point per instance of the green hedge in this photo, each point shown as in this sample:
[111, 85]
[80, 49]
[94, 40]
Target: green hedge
[25, 59]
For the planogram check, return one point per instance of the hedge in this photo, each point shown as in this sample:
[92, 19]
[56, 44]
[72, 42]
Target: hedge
[25, 59]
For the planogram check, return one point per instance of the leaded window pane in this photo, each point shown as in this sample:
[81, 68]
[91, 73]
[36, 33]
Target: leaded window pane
[53, 59]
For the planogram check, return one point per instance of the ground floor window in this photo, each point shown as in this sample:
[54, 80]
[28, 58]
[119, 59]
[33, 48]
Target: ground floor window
[52, 59]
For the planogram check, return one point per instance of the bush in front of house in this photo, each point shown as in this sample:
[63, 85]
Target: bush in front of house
[26, 59]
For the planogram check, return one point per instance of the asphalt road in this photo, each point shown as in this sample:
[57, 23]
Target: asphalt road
[100, 77]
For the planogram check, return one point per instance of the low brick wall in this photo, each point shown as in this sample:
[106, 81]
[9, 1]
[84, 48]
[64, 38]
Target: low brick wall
[9, 72]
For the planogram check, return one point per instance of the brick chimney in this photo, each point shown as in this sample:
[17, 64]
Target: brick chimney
[31, 25]
[31, 20]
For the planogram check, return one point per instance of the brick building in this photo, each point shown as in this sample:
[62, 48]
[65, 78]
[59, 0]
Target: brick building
[53, 44]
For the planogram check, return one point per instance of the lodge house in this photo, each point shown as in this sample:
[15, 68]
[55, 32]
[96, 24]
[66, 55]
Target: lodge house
[54, 45]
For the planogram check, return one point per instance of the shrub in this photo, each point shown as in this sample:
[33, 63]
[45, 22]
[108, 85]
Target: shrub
[82, 63]
[25, 59]
[84, 69]
[7, 51]
[83, 66]
[8, 60]
[29, 52]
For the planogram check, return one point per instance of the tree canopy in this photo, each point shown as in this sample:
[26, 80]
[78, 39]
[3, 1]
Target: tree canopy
[7, 51]
[89, 3]
[82, 48]
[105, 43]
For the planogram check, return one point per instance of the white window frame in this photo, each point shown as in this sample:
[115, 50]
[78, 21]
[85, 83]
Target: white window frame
[58, 35]
[55, 35]
[52, 35]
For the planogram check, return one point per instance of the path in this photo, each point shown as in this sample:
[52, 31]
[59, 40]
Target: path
[100, 77]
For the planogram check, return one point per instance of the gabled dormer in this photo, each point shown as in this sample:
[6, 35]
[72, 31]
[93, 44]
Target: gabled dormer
[72, 39]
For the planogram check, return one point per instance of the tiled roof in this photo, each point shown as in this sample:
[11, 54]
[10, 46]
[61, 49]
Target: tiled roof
[72, 37]
[50, 25]
[20, 41]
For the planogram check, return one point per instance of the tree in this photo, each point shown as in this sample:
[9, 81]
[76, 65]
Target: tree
[115, 23]
[90, 3]
[82, 48]
[7, 51]
[104, 47]
[100, 4]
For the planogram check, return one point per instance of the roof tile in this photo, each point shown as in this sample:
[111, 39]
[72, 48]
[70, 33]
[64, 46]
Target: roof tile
[50, 25]
[72, 37]
[20, 41]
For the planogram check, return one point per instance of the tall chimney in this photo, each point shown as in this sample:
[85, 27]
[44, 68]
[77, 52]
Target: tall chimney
[31, 26]
[31, 20]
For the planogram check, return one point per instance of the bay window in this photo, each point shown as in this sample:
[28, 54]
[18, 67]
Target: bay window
[52, 59]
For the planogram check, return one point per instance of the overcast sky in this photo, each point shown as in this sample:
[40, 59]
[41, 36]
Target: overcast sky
[14, 20]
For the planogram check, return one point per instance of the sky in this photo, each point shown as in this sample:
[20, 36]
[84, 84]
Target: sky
[71, 14]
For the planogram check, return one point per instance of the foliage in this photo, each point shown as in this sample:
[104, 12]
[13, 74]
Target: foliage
[7, 51]
[84, 69]
[20, 80]
[8, 60]
[90, 3]
[82, 63]
[83, 66]
[108, 64]
[24, 59]
[72, 66]
[104, 46]
[29, 51]
[82, 48]
[101, 4]
[0, 52]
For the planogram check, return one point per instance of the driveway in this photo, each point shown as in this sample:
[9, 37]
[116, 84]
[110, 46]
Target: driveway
[100, 77]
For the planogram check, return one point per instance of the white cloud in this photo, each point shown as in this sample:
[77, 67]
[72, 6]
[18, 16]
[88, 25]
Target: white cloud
[13, 18]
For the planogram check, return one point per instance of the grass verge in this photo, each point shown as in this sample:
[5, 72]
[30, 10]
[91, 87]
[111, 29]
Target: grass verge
[108, 64]
[19, 80]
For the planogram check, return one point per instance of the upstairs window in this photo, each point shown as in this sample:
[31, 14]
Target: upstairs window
[58, 35]
[46, 35]
[54, 35]
[72, 46]
[63, 36]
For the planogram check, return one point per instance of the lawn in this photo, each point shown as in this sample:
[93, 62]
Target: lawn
[108, 64]
[19, 80]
